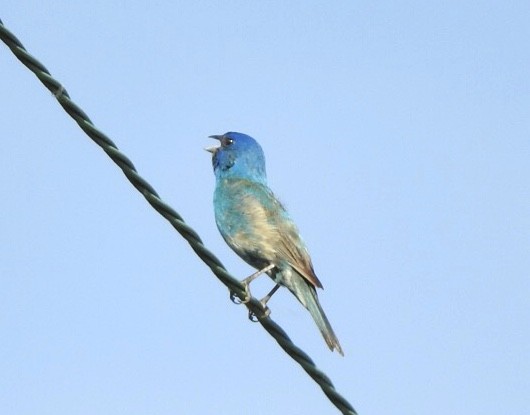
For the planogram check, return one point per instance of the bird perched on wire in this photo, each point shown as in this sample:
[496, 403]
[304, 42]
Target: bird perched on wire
[258, 228]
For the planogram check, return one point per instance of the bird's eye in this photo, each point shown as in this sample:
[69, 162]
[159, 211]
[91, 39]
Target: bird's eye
[227, 142]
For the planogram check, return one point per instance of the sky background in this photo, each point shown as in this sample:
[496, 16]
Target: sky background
[397, 135]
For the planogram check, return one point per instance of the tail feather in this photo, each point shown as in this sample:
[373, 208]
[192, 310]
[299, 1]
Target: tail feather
[322, 322]
[307, 295]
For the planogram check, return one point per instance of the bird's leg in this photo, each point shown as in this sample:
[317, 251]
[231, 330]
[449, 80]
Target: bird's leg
[266, 299]
[263, 301]
[246, 284]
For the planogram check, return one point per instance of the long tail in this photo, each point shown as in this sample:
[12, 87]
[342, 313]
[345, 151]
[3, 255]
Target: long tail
[307, 295]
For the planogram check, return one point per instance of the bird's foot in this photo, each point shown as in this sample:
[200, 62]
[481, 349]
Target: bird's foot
[246, 286]
[236, 299]
[252, 316]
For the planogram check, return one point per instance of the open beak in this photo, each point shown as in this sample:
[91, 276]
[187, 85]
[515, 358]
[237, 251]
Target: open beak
[213, 150]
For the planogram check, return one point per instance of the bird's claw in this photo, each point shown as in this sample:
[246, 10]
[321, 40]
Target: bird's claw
[236, 299]
[252, 316]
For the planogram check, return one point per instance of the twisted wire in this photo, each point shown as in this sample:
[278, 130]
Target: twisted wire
[152, 197]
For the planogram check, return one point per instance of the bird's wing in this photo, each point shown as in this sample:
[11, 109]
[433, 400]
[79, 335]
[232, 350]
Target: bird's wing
[293, 249]
[280, 230]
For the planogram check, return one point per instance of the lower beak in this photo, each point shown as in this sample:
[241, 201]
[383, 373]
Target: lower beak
[213, 150]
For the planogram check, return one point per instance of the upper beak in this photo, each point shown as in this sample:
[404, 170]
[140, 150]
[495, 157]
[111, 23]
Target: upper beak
[213, 150]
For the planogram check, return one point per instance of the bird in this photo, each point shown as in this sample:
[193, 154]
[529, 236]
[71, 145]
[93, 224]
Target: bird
[257, 227]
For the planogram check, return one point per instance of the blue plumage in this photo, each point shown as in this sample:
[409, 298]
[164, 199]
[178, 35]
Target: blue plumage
[258, 228]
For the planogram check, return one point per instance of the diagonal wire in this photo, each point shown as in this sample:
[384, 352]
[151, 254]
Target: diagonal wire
[152, 197]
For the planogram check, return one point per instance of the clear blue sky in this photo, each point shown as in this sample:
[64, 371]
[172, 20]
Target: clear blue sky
[398, 136]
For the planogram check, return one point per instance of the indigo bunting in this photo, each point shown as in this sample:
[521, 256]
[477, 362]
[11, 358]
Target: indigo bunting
[258, 228]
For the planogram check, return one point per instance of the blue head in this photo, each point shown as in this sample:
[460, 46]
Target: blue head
[239, 156]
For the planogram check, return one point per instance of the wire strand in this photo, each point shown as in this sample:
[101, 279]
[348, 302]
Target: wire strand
[152, 197]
